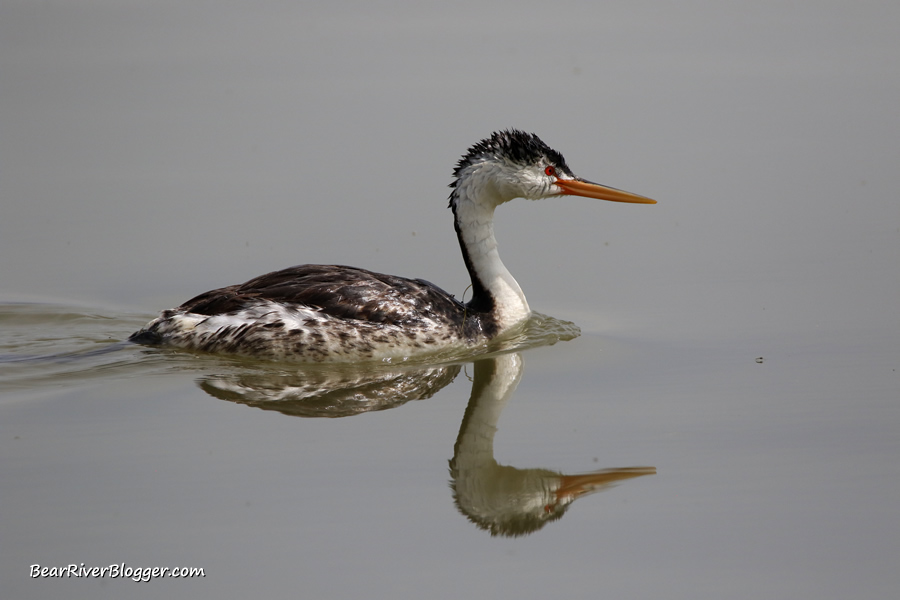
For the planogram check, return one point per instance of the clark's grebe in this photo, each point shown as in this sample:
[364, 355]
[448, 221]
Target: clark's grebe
[317, 313]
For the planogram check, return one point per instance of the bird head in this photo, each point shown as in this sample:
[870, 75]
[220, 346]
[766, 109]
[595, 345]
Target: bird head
[514, 164]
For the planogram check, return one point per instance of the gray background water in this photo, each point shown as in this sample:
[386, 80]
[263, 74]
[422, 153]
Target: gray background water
[151, 151]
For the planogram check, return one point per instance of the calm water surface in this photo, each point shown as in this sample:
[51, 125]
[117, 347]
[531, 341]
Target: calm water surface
[724, 425]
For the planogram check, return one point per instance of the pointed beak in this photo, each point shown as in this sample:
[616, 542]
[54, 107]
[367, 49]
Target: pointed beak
[573, 486]
[580, 187]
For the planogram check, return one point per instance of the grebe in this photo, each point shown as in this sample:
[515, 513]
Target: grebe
[318, 313]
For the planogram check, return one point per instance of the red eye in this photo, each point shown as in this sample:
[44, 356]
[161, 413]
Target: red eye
[550, 170]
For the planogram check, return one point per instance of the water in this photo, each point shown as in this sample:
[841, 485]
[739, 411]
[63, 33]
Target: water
[715, 389]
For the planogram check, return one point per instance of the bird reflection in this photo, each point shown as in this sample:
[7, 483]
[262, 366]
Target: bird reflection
[344, 390]
[505, 500]
[330, 392]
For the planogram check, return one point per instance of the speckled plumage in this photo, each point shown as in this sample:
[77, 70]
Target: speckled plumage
[320, 313]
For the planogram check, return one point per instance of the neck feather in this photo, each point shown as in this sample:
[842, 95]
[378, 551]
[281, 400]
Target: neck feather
[494, 288]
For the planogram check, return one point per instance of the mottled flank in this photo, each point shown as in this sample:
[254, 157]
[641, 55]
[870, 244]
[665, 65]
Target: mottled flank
[317, 313]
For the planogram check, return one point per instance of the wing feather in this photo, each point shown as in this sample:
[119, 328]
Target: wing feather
[336, 290]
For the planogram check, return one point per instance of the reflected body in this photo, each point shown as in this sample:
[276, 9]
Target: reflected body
[319, 313]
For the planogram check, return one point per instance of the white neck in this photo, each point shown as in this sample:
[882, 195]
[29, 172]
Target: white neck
[475, 229]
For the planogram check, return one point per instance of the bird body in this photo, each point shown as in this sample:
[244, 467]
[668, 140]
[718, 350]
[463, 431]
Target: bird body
[333, 313]
[319, 313]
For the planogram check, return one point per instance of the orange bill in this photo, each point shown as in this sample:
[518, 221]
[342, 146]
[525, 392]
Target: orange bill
[580, 187]
[573, 486]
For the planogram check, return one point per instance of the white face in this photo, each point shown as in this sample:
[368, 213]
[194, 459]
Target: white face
[532, 182]
[496, 180]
